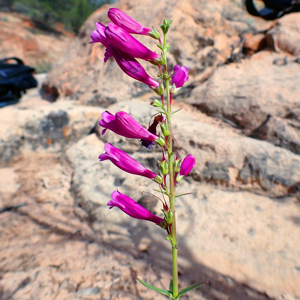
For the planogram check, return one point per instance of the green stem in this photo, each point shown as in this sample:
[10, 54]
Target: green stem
[172, 194]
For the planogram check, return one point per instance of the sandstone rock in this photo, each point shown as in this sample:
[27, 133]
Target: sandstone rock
[245, 94]
[285, 36]
[50, 127]
[224, 157]
[8, 185]
[18, 39]
[195, 42]
[254, 43]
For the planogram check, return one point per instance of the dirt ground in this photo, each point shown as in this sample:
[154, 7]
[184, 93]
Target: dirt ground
[48, 253]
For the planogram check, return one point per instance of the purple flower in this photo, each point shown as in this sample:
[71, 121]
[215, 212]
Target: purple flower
[130, 66]
[122, 40]
[133, 209]
[187, 165]
[124, 21]
[123, 161]
[98, 36]
[125, 125]
[180, 76]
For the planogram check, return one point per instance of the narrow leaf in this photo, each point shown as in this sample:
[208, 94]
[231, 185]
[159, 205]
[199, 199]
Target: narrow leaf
[185, 194]
[163, 192]
[188, 289]
[171, 288]
[174, 112]
[161, 291]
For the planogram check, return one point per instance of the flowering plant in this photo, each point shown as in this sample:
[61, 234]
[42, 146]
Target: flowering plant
[124, 48]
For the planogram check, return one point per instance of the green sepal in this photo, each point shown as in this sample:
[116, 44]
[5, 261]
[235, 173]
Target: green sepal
[179, 178]
[160, 141]
[158, 179]
[154, 33]
[188, 289]
[159, 90]
[177, 164]
[158, 290]
[157, 103]
[161, 61]
[169, 216]
[165, 129]
[164, 167]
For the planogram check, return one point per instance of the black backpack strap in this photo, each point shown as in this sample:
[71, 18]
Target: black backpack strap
[273, 9]
[265, 13]
[18, 60]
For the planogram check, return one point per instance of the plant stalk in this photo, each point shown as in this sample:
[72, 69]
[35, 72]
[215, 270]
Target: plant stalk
[172, 194]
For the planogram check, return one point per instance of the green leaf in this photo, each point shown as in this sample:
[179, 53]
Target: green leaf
[174, 112]
[182, 195]
[161, 291]
[171, 288]
[163, 192]
[160, 47]
[188, 289]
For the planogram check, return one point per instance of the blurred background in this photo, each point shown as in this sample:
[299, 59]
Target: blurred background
[50, 14]
[240, 118]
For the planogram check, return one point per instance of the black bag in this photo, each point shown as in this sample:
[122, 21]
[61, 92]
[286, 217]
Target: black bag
[273, 8]
[15, 79]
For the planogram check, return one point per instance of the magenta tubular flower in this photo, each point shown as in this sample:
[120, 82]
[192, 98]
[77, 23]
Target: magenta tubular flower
[124, 21]
[180, 76]
[130, 66]
[187, 165]
[123, 161]
[98, 35]
[125, 125]
[122, 40]
[133, 209]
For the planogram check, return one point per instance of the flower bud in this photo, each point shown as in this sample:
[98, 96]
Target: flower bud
[156, 103]
[164, 167]
[187, 165]
[166, 26]
[165, 129]
[180, 76]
